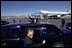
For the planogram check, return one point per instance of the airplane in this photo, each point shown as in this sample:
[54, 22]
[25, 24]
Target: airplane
[50, 13]
[59, 14]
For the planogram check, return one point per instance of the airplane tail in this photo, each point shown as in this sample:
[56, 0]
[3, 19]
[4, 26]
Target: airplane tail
[69, 10]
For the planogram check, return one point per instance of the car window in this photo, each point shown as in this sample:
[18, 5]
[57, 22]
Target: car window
[9, 32]
[52, 30]
[4, 32]
[37, 29]
[13, 32]
[39, 33]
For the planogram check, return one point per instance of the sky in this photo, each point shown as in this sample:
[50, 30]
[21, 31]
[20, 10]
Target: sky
[9, 8]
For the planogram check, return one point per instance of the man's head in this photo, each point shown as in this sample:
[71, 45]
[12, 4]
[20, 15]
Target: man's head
[30, 33]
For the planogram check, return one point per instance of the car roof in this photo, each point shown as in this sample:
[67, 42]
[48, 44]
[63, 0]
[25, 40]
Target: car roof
[26, 24]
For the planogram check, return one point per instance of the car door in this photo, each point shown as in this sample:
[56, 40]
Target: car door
[9, 37]
[53, 34]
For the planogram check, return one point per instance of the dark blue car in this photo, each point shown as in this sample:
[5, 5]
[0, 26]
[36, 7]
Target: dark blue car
[12, 35]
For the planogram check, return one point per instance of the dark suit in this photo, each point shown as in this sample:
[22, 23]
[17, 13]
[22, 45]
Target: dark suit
[28, 42]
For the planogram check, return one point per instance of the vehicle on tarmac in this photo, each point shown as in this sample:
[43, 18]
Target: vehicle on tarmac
[12, 35]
